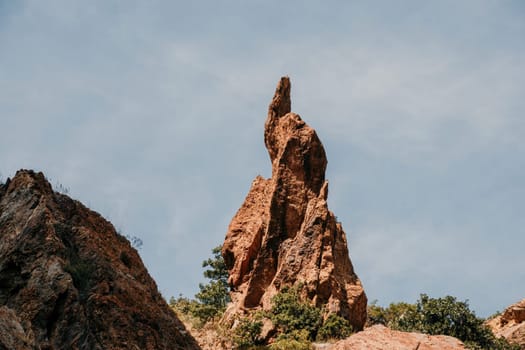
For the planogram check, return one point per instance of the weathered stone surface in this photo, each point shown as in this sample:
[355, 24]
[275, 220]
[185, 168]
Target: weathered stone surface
[379, 337]
[69, 281]
[12, 334]
[283, 233]
[510, 324]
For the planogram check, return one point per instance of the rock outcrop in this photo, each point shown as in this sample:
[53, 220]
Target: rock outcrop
[379, 337]
[12, 334]
[510, 324]
[69, 281]
[284, 234]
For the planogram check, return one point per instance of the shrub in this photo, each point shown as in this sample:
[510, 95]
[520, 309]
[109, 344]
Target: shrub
[182, 304]
[81, 272]
[334, 327]
[213, 296]
[136, 242]
[217, 270]
[212, 300]
[445, 315]
[394, 316]
[289, 313]
[124, 257]
[290, 344]
[247, 333]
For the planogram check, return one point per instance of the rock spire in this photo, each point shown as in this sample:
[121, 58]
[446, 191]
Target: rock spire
[284, 234]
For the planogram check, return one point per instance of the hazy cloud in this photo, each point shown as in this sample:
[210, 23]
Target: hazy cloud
[152, 114]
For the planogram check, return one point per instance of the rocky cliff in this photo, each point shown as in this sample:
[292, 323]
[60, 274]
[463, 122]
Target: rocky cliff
[284, 234]
[69, 281]
[511, 324]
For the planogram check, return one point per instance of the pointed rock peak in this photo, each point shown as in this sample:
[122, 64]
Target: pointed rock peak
[293, 146]
[280, 106]
[284, 234]
[281, 103]
[31, 180]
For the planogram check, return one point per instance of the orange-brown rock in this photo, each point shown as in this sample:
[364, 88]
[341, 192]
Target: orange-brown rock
[284, 234]
[379, 337]
[69, 281]
[510, 324]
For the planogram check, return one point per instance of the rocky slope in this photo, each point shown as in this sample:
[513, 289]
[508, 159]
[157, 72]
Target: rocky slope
[511, 324]
[283, 233]
[380, 338]
[69, 281]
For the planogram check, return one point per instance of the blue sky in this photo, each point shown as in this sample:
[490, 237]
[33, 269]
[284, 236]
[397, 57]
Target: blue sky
[152, 113]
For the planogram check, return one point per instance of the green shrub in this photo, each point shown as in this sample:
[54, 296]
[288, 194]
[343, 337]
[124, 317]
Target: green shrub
[212, 300]
[435, 316]
[300, 335]
[375, 314]
[126, 260]
[393, 316]
[217, 270]
[289, 313]
[446, 316]
[247, 333]
[81, 272]
[182, 305]
[213, 296]
[334, 327]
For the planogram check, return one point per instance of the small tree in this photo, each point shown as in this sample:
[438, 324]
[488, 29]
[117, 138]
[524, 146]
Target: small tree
[213, 296]
[217, 270]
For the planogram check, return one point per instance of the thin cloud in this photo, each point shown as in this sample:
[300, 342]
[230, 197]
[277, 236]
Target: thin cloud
[152, 113]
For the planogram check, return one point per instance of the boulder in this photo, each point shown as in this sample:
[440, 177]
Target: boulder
[379, 337]
[510, 324]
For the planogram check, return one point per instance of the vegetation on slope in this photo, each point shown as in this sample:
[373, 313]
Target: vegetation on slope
[298, 323]
[436, 316]
[210, 302]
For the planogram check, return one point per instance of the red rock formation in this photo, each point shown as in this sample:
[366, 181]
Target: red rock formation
[510, 324]
[69, 281]
[381, 338]
[284, 233]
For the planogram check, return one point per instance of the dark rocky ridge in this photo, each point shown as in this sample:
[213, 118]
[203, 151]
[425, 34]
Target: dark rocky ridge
[69, 281]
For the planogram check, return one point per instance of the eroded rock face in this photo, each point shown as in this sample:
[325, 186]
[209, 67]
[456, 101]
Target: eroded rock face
[283, 233]
[510, 324]
[12, 334]
[379, 337]
[69, 281]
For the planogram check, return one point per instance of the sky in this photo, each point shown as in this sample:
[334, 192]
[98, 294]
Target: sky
[152, 113]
